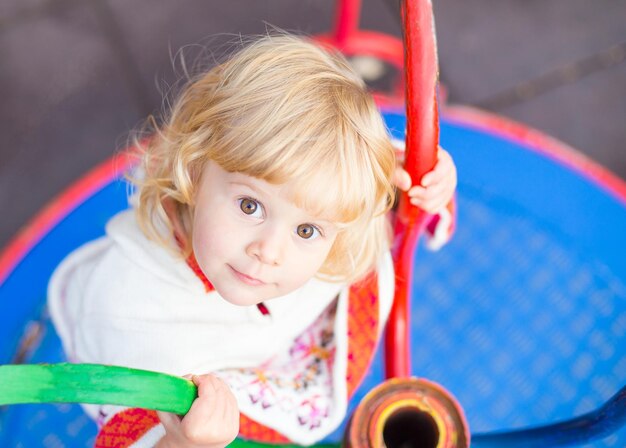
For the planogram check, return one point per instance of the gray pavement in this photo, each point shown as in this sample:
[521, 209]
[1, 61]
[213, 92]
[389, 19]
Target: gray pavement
[77, 76]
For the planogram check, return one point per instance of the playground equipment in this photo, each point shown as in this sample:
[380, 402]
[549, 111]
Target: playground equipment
[522, 317]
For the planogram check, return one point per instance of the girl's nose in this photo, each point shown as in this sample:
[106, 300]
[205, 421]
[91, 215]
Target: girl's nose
[268, 249]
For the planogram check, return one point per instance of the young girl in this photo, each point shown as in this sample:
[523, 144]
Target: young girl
[256, 257]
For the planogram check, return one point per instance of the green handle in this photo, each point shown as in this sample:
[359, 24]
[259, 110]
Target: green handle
[100, 384]
[95, 384]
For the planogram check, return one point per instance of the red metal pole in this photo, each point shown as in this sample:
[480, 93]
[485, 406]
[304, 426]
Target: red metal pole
[348, 12]
[421, 155]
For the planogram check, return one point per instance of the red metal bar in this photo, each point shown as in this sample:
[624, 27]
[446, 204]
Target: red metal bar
[348, 13]
[370, 43]
[421, 155]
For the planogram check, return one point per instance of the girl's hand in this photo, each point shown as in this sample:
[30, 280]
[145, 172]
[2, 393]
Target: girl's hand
[436, 187]
[212, 420]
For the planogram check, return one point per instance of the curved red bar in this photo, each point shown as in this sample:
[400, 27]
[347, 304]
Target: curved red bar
[348, 12]
[421, 155]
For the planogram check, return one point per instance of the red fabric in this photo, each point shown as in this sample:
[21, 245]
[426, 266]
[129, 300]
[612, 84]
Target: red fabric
[432, 224]
[362, 330]
[263, 309]
[252, 430]
[193, 264]
[195, 267]
[125, 428]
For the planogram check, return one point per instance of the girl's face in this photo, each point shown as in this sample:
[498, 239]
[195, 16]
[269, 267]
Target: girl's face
[251, 241]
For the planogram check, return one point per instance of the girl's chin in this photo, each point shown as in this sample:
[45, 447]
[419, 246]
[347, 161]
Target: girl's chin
[239, 302]
[242, 299]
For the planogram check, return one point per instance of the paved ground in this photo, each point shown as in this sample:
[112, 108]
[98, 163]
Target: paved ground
[77, 75]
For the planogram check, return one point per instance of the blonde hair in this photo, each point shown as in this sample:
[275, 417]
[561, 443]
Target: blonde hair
[280, 109]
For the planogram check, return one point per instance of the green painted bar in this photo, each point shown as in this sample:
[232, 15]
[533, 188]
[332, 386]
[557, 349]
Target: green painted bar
[101, 384]
[95, 384]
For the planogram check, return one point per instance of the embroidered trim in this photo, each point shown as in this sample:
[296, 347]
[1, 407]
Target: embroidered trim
[363, 319]
[126, 428]
[252, 430]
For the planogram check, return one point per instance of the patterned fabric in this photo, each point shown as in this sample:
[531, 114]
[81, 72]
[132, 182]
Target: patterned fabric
[126, 428]
[295, 387]
[363, 321]
[252, 430]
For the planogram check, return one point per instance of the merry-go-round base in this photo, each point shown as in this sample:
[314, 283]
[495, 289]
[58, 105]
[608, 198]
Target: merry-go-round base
[522, 316]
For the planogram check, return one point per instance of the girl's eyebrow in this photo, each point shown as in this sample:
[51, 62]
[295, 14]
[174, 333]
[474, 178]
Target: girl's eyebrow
[250, 185]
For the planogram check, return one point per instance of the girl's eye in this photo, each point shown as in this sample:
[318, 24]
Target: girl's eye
[250, 206]
[307, 231]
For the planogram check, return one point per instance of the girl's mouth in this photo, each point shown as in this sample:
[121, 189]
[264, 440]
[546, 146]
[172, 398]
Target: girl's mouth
[246, 278]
